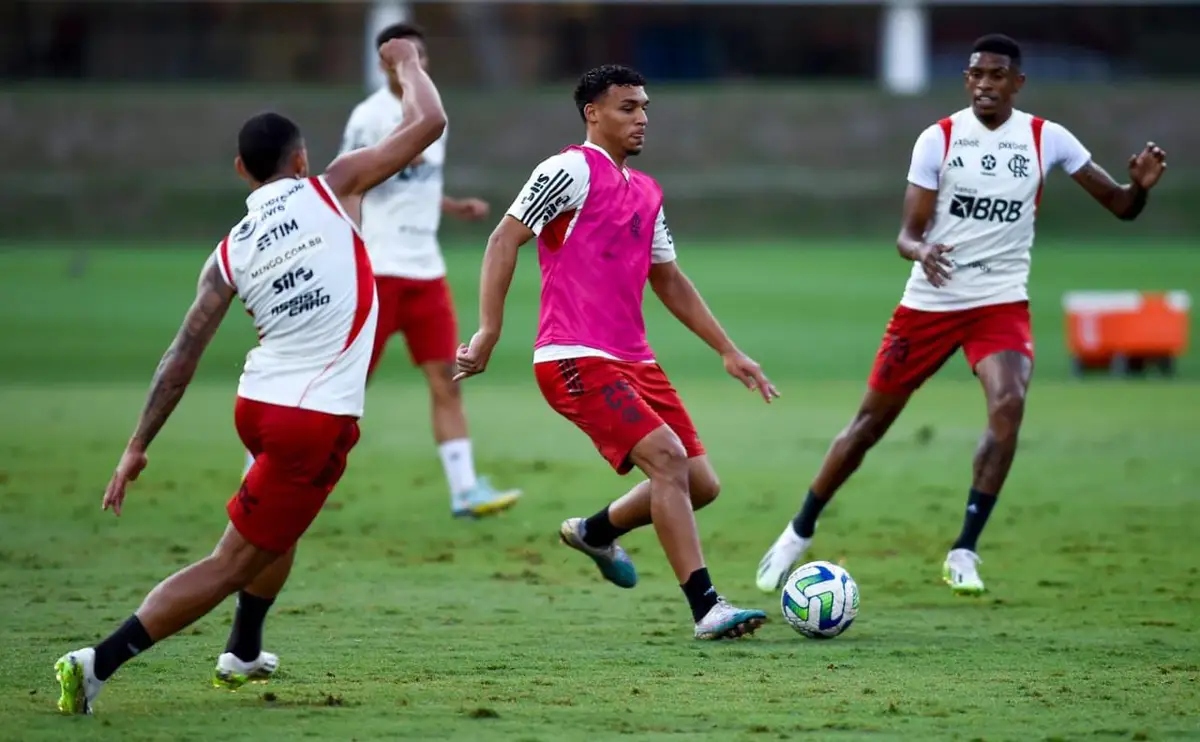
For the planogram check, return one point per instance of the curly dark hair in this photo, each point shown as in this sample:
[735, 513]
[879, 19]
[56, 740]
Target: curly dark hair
[265, 142]
[999, 44]
[596, 82]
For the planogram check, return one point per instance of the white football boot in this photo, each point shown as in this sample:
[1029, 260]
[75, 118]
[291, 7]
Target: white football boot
[724, 621]
[960, 574]
[232, 673]
[777, 564]
[76, 673]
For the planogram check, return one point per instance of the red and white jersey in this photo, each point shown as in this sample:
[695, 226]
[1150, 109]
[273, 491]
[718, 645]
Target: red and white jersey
[400, 216]
[299, 265]
[989, 184]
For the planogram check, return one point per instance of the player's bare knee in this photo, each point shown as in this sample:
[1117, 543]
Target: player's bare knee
[1005, 411]
[237, 570]
[662, 457]
[864, 431]
[442, 386]
[239, 561]
[703, 485]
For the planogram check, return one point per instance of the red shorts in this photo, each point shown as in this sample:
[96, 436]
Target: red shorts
[299, 455]
[617, 404]
[421, 309]
[917, 343]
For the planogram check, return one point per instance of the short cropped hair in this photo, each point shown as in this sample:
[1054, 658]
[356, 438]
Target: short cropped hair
[596, 82]
[998, 43]
[265, 143]
[399, 31]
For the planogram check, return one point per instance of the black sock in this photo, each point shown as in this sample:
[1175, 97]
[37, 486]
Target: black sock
[701, 594]
[245, 640]
[121, 646]
[979, 507]
[598, 530]
[805, 521]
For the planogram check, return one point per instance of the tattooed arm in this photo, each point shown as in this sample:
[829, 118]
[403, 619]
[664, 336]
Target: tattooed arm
[174, 373]
[178, 364]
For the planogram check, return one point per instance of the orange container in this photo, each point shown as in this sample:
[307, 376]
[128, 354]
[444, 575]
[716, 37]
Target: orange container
[1108, 326]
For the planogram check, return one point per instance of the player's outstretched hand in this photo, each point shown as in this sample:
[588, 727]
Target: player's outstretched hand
[133, 461]
[936, 265]
[1146, 167]
[472, 209]
[472, 358]
[396, 51]
[743, 368]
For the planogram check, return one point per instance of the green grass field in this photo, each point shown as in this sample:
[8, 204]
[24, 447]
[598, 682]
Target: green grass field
[401, 623]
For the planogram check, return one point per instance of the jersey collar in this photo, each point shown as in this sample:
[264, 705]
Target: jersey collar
[269, 191]
[604, 152]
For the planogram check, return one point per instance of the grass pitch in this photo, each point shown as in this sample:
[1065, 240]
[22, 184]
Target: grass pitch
[401, 623]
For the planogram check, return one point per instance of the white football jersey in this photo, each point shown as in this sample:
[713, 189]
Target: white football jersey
[298, 264]
[989, 184]
[400, 216]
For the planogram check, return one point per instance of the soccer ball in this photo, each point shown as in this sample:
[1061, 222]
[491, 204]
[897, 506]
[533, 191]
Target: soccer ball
[820, 600]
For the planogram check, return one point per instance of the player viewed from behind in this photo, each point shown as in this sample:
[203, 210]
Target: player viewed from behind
[973, 190]
[601, 234]
[400, 224]
[297, 263]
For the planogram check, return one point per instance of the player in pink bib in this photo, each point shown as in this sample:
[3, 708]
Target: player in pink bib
[601, 235]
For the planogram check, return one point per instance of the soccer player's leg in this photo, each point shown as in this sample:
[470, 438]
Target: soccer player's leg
[591, 393]
[172, 606]
[305, 454]
[604, 400]
[915, 345]
[999, 348]
[244, 658]
[661, 455]
[430, 329]
[632, 510]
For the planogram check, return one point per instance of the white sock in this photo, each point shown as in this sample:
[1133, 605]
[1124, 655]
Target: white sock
[249, 463]
[459, 465]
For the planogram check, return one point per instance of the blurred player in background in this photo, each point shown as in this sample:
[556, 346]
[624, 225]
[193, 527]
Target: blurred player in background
[601, 234]
[973, 190]
[400, 223]
[298, 264]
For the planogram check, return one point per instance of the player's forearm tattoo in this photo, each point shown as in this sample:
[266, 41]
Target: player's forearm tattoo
[178, 364]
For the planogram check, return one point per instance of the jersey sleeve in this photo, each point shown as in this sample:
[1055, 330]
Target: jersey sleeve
[558, 185]
[662, 250]
[924, 171]
[220, 257]
[1061, 148]
[356, 134]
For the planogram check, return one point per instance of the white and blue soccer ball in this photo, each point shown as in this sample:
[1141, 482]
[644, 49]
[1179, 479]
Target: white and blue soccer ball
[820, 600]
